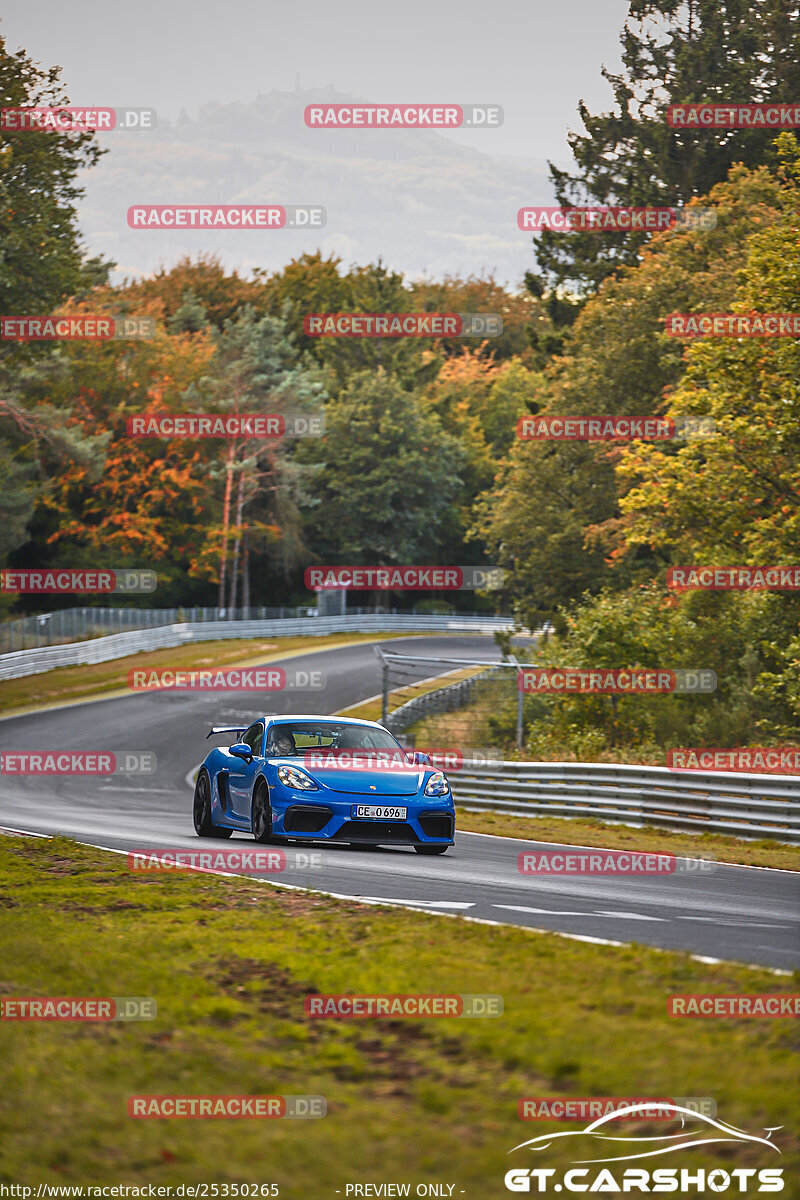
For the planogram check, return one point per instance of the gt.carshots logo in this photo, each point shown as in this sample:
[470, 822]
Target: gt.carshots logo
[405, 578]
[241, 679]
[607, 681]
[393, 324]
[62, 581]
[403, 116]
[601, 1143]
[615, 220]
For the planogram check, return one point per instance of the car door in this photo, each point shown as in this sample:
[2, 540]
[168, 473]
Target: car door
[242, 774]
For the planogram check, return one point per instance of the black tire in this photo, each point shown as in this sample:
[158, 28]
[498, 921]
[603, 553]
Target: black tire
[261, 815]
[431, 849]
[201, 810]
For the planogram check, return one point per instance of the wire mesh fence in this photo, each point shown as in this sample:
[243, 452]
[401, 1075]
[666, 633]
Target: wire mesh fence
[78, 624]
[462, 703]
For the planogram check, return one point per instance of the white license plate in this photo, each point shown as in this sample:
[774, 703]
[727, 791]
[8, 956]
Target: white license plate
[379, 812]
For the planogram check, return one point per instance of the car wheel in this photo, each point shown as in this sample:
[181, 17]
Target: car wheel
[261, 819]
[201, 810]
[431, 849]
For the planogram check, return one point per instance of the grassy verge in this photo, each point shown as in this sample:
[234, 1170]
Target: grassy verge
[372, 710]
[67, 684]
[765, 853]
[230, 961]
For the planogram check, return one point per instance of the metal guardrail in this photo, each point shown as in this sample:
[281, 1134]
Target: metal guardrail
[77, 624]
[36, 661]
[441, 700]
[752, 806]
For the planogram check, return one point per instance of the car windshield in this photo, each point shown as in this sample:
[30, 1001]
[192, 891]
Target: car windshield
[295, 738]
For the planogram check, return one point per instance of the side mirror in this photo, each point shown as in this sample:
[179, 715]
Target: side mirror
[241, 750]
[419, 758]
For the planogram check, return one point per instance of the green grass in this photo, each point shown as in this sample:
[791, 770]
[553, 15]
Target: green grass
[69, 684]
[230, 961]
[576, 832]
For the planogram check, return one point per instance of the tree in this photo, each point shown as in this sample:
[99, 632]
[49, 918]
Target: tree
[673, 51]
[386, 477]
[203, 282]
[553, 517]
[255, 370]
[41, 265]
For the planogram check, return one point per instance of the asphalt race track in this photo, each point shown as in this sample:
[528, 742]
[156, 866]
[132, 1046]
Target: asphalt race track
[739, 914]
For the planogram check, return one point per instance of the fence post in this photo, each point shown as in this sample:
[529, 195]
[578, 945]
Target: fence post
[520, 698]
[384, 685]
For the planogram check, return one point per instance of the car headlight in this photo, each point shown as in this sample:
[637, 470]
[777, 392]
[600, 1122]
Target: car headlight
[437, 785]
[293, 778]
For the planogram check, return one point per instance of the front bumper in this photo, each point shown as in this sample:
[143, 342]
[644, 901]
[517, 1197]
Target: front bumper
[327, 816]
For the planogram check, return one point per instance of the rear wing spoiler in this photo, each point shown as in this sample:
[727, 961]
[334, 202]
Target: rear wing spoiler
[226, 729]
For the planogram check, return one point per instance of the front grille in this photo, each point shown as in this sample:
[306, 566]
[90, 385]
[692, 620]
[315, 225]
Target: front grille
[437, 825]
[376, 831]
[306, 818]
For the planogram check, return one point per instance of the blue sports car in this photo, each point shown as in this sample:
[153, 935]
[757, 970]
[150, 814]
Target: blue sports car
[323, 779]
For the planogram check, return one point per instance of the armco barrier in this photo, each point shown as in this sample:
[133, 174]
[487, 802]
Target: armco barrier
[137, 641]
[700, 802]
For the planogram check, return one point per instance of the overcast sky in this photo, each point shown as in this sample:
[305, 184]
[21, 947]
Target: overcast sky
[536, 58]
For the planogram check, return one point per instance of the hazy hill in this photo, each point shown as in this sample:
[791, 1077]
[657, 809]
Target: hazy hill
[419, 199]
